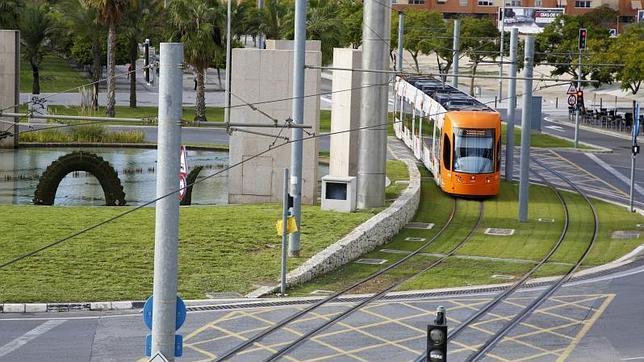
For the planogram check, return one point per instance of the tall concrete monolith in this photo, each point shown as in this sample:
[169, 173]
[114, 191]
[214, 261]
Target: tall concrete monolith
[265, 77]
[9, 86]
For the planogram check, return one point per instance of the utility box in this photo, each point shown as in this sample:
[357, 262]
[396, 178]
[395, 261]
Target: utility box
[535, 124]
[339, 193]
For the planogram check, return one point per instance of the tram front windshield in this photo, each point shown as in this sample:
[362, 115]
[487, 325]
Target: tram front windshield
[474, 150]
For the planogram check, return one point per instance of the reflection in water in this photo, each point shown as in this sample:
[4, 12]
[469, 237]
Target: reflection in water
[20, 169]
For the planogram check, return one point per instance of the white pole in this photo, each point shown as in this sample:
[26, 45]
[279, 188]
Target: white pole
[578, 104]
[512, 104]
[228, 63]
[166, 232]
[526, 118]
[284, 234]
[501, 58]
[298, 118]
[456, 45]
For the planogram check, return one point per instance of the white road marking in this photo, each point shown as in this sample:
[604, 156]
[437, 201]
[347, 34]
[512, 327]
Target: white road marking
[25, 338]
[614, 172]
[556, 128]
[632, 358]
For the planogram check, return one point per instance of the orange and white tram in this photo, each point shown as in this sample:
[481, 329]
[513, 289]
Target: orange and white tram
[456, 137]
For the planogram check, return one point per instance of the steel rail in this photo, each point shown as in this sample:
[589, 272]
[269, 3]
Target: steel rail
[504, 294]
[374, 297]
[335, 295]
[498, 336]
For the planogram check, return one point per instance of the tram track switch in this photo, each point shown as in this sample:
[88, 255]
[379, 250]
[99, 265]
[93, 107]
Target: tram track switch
[437, 337]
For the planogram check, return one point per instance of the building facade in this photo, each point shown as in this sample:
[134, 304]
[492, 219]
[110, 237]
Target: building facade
[452, 8]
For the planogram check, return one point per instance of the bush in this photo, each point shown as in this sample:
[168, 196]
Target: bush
[92, 133]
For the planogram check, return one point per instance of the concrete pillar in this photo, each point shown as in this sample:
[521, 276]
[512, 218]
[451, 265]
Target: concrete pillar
[9, 84]
[266, 76]
[345, 113]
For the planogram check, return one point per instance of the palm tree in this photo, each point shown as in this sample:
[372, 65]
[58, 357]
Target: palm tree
[110, 13]
[9, 12]
[83, 22]
[143, 17]
[192, 23]
[35, 27]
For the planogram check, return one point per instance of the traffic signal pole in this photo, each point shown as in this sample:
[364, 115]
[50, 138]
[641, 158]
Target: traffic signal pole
[578, 103]
[526, 117]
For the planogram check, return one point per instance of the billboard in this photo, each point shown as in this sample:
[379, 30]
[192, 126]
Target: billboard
[527, 20]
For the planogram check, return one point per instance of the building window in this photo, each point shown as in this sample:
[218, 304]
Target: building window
[538, 3]
[561, 3]
[582, 4]
[486, 2]
[462, 2]
[513, 3]
[416, 2]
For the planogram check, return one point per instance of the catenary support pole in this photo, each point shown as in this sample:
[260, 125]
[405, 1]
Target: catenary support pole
[284, 234]
[166, 231]
[512, 105]
[298, 118]
[228, 62]
[501, 54]
[456, 47]
[261, 38]
[401, 31]
[526, 117]
[372, 150]
[146, 60]
[578, 104]
[635, 132]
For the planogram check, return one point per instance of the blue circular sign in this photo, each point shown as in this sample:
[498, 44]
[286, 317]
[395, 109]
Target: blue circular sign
[180, 315]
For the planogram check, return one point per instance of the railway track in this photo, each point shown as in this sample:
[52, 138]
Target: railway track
[493, 340]
[257, 338]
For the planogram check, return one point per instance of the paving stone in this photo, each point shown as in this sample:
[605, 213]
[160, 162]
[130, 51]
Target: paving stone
[499, 231]
[371, 261]
[419, 225]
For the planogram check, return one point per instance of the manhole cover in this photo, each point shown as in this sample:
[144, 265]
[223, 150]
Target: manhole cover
[414, 238]
[503, 276]
[419, 225]
[545, 219]
[371, 261]
[622, 234]
[321, 292]
[499, 231]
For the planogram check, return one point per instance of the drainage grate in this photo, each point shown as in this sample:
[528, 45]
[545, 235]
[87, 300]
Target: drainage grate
[414, 238]
[625, 234]
[419, 225]
[371, 261]
[499, 232]
[545, 219]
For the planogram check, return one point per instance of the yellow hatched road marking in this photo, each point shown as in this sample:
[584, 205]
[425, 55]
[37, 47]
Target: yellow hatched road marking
[587, 325]
[211, 356]
[587, 173]
[207, 325]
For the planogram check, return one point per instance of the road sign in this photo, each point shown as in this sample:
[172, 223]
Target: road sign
[572, 100]
[612, 32]
[636, 122]
[572, 89]
[178, 347]
[159, 357]
[180, 315]
[183, 173]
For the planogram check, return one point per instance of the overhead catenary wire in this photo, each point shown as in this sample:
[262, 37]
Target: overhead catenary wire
[226, 169]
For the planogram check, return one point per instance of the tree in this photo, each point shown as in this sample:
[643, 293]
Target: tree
[191, 22]
[558, 45]
[272, 19]
[110, 13]
[9, 13]
[143, 16]
[479, 42]
[350, 13]
[87, 34]
[35, 27]
[627, 49]
[418, 35]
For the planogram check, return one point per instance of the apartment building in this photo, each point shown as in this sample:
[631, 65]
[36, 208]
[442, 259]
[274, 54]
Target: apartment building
[452, 8]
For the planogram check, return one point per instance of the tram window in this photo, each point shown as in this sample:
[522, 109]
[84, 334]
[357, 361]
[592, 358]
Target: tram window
[474, 150]
[447, 152]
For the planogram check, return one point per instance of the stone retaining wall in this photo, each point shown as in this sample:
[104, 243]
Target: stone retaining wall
[364, 238]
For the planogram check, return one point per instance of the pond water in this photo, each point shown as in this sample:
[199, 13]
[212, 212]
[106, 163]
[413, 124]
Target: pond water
[20, 170]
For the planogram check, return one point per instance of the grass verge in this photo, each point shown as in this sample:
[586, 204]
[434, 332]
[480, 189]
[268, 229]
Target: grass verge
[56, 75]
[222, 248]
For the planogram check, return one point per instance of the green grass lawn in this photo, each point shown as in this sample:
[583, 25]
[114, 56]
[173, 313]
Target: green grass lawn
[539, 139]
[222, 248]
[56, 75]
[530, 242]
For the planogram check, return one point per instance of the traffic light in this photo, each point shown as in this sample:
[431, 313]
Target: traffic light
[580, 99]
[437, 338]
[582, 38]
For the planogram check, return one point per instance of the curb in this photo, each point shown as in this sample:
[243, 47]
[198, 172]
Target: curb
[593, 129]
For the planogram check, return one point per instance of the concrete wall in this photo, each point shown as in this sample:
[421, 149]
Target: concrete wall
[366, 237]
[267, 76]
[9, 83]
[345, 113]
[311, 45]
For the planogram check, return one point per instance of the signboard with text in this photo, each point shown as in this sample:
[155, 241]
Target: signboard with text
[527, 20]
